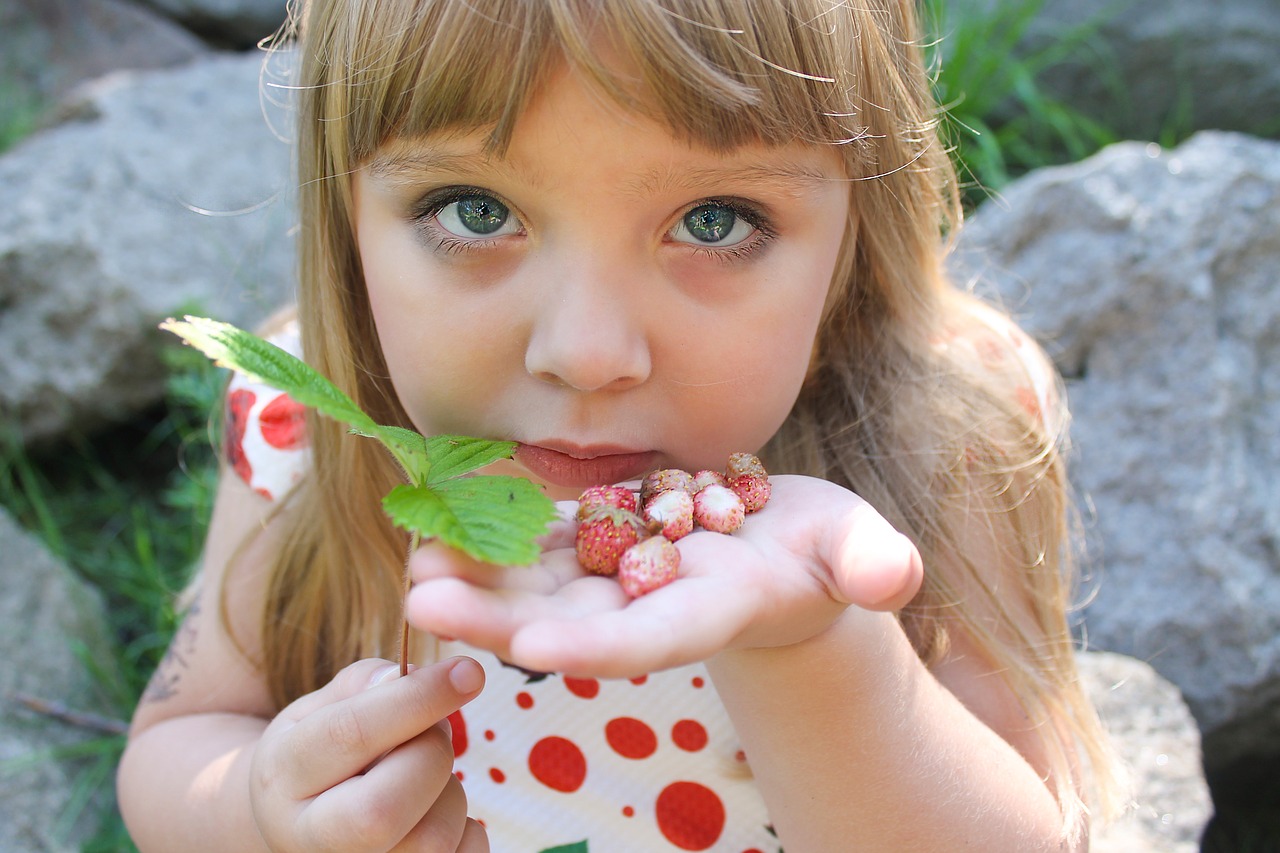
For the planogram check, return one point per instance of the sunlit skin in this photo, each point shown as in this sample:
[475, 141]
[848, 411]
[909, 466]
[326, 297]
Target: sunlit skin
[614, 300]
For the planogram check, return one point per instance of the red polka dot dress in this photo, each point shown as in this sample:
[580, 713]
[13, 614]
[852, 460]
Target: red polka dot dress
[553, 764]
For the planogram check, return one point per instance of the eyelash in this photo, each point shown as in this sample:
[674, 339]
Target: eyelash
[752, 214]
[425, 213]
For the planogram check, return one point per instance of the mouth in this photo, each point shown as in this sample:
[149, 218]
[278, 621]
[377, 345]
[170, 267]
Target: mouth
[582, 467]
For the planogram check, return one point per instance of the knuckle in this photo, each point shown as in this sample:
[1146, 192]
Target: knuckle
[347, 729]
[369, 823]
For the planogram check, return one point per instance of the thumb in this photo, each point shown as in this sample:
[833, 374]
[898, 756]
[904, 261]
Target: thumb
[460, 676]
[873, 565]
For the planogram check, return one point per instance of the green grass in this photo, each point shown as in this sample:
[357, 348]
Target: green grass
[127, 510]
[20, 109]
[999, 120]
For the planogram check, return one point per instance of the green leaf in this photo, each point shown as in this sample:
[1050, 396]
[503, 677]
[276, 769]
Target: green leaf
[576, 847]
[267, 363]
[493, 519]
[454, 455]
[409, 448]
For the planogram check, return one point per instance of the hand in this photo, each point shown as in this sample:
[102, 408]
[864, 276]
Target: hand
[783, 577]
[365, 763]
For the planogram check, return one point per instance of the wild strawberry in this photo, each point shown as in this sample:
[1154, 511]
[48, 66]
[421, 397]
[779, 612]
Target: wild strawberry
[744, 463]
[664, 480]
[706, 477]
[603, 537]
[650, 564]
[597, 496]
[753, 489]
[718, 509]
[672, 511]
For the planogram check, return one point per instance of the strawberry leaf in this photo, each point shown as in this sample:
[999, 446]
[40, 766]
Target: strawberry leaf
[267, 363]
[454, 455]
[494, 519]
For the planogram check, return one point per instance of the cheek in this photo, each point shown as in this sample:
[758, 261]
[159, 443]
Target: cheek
[738, 384]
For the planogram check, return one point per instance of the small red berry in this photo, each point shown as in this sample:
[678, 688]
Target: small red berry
[648, 565]
[603, 537]
[744, 463]
[718, 509]
[664, 480]
[753, 489]
[673, 510]
[595, 497]
[707, 477]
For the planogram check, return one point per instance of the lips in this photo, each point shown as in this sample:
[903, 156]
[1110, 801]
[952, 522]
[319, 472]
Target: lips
[583, 467]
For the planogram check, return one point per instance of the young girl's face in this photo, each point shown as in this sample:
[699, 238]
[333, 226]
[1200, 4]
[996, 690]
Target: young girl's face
[612, 298]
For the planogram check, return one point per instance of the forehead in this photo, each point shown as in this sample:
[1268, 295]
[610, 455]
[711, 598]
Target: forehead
[720, 82]
[570, 129]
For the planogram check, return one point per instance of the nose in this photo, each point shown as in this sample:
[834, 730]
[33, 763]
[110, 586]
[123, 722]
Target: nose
[588, 331]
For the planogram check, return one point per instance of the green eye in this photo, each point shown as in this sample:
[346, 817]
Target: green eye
[713, 224]
[710, 223]
[474, 215]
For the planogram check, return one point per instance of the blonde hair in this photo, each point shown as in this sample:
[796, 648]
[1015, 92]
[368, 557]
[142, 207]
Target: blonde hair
[938, 448]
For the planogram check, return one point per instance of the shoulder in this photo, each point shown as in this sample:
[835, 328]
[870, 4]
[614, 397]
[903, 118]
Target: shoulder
[989, 345]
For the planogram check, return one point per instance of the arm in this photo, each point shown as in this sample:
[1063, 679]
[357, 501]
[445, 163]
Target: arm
[853, 740]
[915, 769]
[210, 767]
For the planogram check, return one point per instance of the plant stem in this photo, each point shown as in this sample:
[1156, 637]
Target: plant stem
[404, 599]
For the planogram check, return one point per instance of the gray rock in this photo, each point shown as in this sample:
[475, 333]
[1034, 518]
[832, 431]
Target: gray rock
[45, 612]
[1151, 276]
[1176, 66]
[49, 46]
[1156, 739]
[165, 189]
[236, 22]
[1150, 67]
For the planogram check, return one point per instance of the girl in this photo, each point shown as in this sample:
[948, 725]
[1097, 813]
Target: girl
[632, 235]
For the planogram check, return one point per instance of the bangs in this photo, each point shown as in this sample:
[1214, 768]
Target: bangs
[717, 73]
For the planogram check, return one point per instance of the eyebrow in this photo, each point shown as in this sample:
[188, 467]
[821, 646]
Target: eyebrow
[406, 166]
[786, 176]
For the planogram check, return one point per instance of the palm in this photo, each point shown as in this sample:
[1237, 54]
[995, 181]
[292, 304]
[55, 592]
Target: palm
[783, 577]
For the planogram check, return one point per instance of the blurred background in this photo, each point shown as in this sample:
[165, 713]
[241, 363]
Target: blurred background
[1121, 161]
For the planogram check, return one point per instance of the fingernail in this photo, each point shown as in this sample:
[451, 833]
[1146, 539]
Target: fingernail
[466, 676]
[384, 674]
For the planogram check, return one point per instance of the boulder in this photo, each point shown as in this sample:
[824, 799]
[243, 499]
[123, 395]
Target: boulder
[46, 614]
[1150, 68]
[1156, 741]
[235, 23]
[49, 46]
[1153, 66]
[161, 190]
[1151, 276]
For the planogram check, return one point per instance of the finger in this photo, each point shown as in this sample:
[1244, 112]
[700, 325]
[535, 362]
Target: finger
[554, 569]
[341, 739]
[379, 808]
[663, 629]
[561, 531]
[443, 827]
[872, 565]
[487, 618]
[474, 838]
